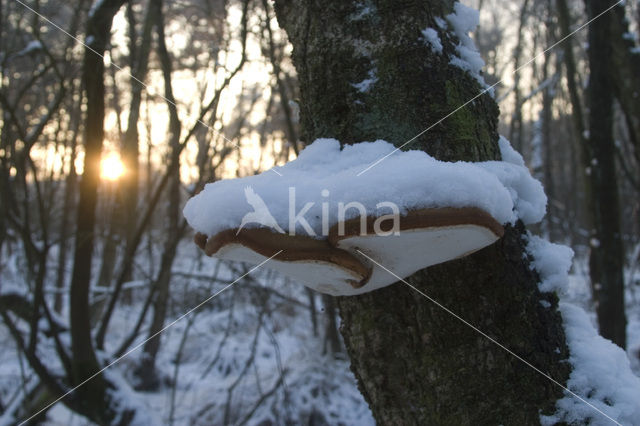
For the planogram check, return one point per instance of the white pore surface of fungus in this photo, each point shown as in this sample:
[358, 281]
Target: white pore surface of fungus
[601, 373]
[414, 249]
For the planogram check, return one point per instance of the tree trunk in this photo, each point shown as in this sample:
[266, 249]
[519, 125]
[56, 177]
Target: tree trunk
[70, 188]
[84, 361]
[146, 371]
[625, 74]
[606, 260]
[313, 315]
[332, 344]
[515, 130]
[564, 19]
[130, 149]
[577, 116]
[415, 363]
[546, 116]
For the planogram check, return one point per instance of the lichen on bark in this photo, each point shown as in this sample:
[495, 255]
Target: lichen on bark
[414, 362]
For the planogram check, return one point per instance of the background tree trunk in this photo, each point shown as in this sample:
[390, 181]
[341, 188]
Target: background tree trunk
[625, 74]
[70, 187]
[546, 117]
[415, 363]
[140, 64]
[84, 361]
[577, 115]
[515, 130]
[606, 260]
[147, 370]
[332, 344]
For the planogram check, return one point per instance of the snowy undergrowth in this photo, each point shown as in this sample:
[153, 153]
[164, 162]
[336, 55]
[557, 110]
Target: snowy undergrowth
[249, 353]
[249, 356]
[601, 372]
[254, 359]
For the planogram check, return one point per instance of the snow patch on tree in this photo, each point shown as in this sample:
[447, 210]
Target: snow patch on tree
[31, 47]
[552, 262]
[363, 10]
[368, 82]
[509, 154]
[601, 373]
[463, 21]
[94, 8]
[527, 193]
[432, 39]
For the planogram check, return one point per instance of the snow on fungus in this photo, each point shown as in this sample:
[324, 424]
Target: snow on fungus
[330, 220]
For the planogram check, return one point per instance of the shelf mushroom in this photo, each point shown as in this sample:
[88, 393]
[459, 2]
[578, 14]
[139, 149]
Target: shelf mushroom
[297, 213]
[341, 265]
[310, 261]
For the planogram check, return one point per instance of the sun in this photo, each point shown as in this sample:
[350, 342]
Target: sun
[111, 167]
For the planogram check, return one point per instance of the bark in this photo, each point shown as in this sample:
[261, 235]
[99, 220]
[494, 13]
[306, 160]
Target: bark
[414, 363]
[579, 142]
[546, 115]
[515, 131]
[625, 75]
[291, 133]
[84, 361]
[130, 149]
[174, 232]
[332, 344]
[70, 186]
[606, 259]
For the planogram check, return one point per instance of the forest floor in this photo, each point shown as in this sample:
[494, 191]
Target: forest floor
[249, 356]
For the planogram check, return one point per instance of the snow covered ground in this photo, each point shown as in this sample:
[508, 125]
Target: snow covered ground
[249, 356]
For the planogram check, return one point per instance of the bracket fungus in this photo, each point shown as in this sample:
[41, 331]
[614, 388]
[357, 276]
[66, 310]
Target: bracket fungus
[425, 237]
[336, 266]
[308, 260]
[320, 221]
